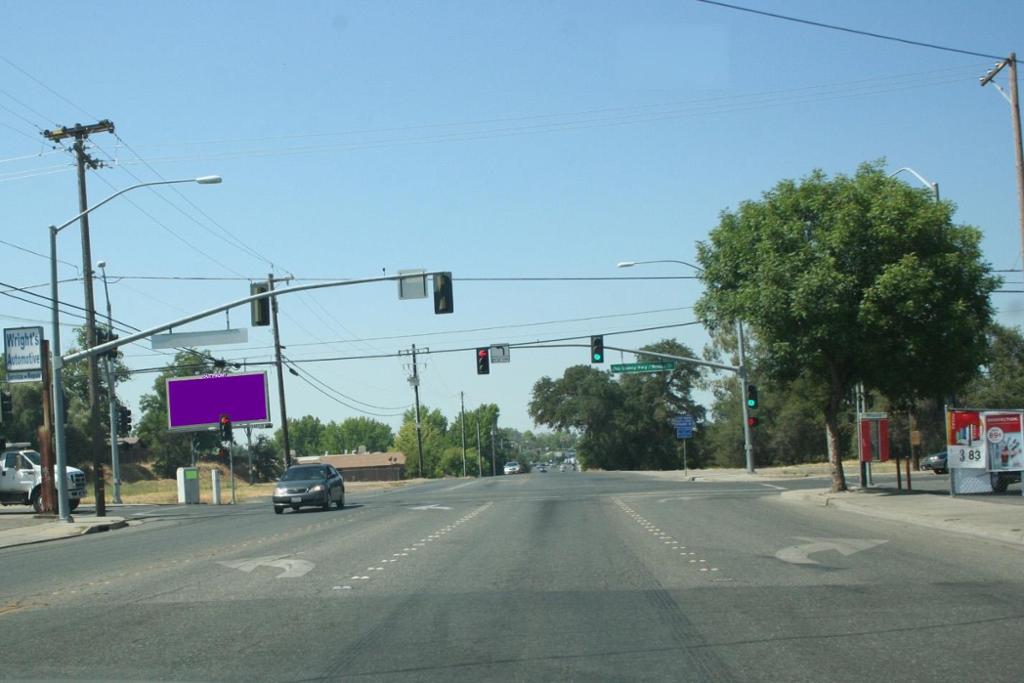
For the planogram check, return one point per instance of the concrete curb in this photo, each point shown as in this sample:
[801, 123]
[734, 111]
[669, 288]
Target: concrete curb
[968, 517]
[57, 530]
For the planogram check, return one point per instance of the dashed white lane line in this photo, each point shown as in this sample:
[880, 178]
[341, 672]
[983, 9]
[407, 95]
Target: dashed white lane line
[668, 540]
[416, 546]
[773, 486]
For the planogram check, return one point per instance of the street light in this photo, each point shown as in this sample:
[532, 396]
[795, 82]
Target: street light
[933, 186]
[115, 461]
[58, 362]
[747, 444]
[630, 264]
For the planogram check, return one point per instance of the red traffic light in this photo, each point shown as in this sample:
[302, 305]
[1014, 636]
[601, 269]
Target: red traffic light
[225, 420]
[752, 421]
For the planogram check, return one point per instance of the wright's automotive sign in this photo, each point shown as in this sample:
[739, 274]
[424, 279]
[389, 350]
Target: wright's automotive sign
[23, 354]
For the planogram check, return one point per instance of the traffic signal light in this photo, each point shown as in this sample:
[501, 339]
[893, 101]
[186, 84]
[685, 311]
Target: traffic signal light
[103, 335]
[597, 349]
[483, 361]
[6, 406]
[225, 429]
[443, 302]
[751, 396]
[752, 421]
[260, 308]
[124, 420]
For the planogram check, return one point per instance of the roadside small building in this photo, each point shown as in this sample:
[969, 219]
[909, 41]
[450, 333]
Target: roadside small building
[365, 466]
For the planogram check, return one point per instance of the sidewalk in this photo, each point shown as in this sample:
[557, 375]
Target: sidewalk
[959, 514]
[21, 528]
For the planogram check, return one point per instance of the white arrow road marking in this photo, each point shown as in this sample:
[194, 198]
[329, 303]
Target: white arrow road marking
[293, 568]
[798, 554]
[435, 506]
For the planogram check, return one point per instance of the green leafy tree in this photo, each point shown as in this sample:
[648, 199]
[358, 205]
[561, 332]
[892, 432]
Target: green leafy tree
[355, 432]
[434, 432]
[304, 436]
[625, 424]
[171, 450]
[1000, 382]
[266, 463]
[851, 279]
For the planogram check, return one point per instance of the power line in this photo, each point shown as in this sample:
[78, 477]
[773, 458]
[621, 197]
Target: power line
[39, 254]
[736, 104]
[171, 231]
[490, 328]
[231, 239]
[304, 378]
[849, 30]
[341, 394]
[46, 87]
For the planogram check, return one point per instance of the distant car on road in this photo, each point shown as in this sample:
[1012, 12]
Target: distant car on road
[542, 468]
[309, 485]
[513, 468]
[936, 462]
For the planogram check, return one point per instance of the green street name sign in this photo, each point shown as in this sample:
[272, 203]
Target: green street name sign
[629, 368]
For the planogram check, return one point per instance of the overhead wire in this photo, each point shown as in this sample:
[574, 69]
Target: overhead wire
[230, 239]
[490, 328]
[844, 29]
[699, 108]
[39, 254]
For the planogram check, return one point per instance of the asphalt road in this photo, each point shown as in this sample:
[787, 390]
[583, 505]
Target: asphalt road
[558, 576]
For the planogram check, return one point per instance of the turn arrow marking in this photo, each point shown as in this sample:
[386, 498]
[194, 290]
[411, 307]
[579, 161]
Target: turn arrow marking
[798, 554]
[292, 568]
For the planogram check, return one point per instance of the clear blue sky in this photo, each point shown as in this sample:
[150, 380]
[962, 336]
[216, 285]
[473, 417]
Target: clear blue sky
[491, 139]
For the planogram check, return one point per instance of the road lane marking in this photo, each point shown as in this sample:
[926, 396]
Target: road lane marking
[773, 486]
[293, 568]
[799, 554]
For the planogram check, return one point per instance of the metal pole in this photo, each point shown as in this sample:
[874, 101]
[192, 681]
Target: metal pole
[462, 402]
[748, 447]
[115, 456]
[95, 436]
[280, 376]
[248, 440]
[479, 453]
[684, 457]
[45, 432]
[58, 389]
[494, 469]
[231, 467]
[1017, 149]
[416, 392]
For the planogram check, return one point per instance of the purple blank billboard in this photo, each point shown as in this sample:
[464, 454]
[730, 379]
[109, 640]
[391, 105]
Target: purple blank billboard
[196, 403]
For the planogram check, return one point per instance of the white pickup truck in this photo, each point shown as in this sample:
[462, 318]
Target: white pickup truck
[21, 478]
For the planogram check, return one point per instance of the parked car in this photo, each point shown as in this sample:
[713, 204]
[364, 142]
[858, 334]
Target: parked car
[513, 468]
[936, 462]
[309, 485]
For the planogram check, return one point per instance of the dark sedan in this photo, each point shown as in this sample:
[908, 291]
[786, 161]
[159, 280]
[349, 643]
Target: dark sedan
[936, 462]
[309, 485]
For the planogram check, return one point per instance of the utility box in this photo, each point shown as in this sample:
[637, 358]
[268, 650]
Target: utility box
[188, 485]
[215, 483]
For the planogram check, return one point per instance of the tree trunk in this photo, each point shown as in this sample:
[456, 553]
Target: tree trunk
[832, 437]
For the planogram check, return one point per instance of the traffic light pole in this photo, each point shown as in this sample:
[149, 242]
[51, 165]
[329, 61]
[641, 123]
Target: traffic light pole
[115, 458]
[741, 371]
[748, 445]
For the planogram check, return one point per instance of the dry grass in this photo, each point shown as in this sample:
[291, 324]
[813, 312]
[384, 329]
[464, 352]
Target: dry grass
[140, 485]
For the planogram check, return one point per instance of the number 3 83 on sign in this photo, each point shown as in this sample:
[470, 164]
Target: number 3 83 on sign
[964, 456]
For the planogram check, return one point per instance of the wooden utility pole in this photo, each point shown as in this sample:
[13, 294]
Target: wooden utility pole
[280, 376]
[414, 380]
[80, 133]
[1018, 151]
[46, 435]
